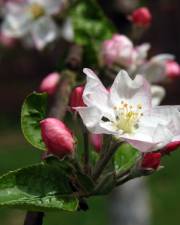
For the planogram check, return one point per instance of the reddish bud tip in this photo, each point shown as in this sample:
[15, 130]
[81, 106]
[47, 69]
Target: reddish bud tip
[141, 17]
[49, 83]
[57, 137]
[6, 41]
[96, 141]
[172, 146]
[151, 160]
[76, 99]
[172, 69]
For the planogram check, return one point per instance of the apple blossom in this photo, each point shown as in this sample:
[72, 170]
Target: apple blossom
[120, 50]
[141, 17]
[126, 112]
[49, 83]
[32, 19]
[158, 93]
[57, 137]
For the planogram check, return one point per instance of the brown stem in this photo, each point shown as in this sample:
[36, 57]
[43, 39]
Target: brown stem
[34, 218]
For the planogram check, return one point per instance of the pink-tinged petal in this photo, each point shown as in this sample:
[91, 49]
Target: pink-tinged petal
[95, 94]
[135, 91]
[155, 69]
[158, 93]
[76, 99]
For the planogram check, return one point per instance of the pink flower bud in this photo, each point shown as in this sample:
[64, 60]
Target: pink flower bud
[76, 99]
[172, 146]
[6, 41]
[96, 141]
[118, 50]
[57, 137]
[49, 83]
[151, 160]
[172, 69]
[141, 17]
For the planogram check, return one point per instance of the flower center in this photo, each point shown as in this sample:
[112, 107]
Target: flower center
[127, 117]
[36, 10]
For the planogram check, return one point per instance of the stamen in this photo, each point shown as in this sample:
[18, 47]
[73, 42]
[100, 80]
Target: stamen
[127, 117]
[36, 10]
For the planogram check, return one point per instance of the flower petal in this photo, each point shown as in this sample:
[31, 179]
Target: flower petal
[158, 93]
[135, 91]
[95, 94]
[17, 21]
[43, 32]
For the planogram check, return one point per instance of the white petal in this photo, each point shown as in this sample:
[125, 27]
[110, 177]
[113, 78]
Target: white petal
[158, 93]
[51, 6]
[162, 58]
[91, 117]
[67, 31]
[17, 21]
[95, 94]
[43, 32]
[135, 91]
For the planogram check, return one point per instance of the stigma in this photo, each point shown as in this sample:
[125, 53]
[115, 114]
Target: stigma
[127, 117]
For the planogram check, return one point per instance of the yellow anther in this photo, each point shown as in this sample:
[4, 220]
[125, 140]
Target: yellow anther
[36, 10]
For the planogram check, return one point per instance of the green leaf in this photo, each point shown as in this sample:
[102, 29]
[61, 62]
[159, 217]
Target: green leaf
[125, 157]
[33, 111]
[91, 27]
[41, 187]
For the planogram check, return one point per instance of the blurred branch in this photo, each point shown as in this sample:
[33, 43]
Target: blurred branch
[34, 218]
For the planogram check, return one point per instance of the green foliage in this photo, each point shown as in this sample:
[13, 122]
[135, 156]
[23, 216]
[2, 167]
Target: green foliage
[43, 186]
[33, 111]
[91, 27]
[125, 157]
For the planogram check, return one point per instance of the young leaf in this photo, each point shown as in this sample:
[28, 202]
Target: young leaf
[125, 157]
[33, 111]
[39, 187]
[91, 27]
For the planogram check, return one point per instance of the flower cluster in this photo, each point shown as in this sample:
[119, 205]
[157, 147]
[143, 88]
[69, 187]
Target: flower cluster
[32, 21]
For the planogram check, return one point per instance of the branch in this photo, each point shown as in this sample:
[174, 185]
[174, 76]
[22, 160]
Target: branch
[34, 218]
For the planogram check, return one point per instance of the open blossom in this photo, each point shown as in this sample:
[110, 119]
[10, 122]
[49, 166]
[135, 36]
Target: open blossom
[120, 50]
[126, 112]
[32, 19]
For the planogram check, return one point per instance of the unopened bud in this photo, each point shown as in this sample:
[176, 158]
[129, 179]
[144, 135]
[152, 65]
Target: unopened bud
[96, 141]
[57, 137]
[141, 17]
[172, 146]
[151, 160]
[76, 99]
[172, 69]
[7, 41]
[49, 83]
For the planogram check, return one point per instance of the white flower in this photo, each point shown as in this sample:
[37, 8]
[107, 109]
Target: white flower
[158, 93]
[32, 18]
[126, 112]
